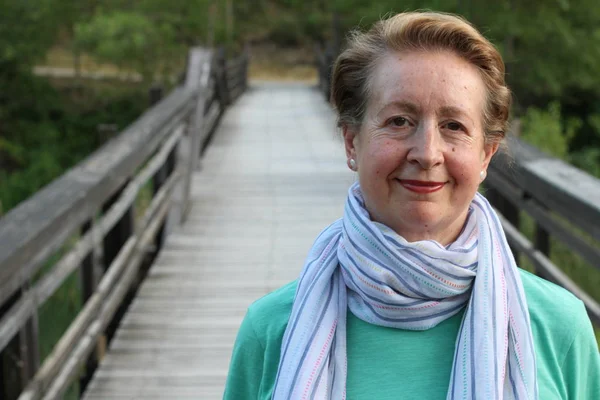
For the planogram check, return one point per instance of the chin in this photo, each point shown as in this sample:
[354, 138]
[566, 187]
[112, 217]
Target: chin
[416, 228]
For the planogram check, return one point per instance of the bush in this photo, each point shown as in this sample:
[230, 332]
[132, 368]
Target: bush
[546, 130]
[43, 136]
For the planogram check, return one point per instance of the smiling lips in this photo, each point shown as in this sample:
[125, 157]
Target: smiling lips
[421, 186]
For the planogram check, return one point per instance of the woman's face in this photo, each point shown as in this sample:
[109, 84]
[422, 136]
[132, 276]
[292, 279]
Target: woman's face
[420, 150]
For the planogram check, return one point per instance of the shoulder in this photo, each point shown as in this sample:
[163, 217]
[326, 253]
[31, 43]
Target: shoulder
[551, 302]
[539, 289]
[556, 314]
[255, 356]
[545, 298]
[269, 315]
[566, 351]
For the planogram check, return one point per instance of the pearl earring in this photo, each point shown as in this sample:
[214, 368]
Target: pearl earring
[352, 164]
[482, 175]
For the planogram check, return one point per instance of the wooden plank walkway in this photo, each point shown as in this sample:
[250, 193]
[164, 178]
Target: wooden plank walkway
[272, 178]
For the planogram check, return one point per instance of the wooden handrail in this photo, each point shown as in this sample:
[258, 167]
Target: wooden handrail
[562, 200]
[162, 146]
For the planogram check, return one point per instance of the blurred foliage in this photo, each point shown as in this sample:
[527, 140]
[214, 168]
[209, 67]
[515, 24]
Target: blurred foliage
[548, 131]
[587, 159]
[131, 41]
[44, 131]
[26, 31]
[551, 47]
[128, 40]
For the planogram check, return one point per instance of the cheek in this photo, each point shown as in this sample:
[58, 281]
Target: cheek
[382, 157]
[465, 169]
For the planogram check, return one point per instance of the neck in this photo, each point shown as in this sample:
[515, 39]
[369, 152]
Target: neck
[445, 233]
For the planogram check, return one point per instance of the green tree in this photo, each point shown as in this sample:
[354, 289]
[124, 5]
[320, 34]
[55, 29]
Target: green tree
[27, 30]
[548, 131]
[127, 39]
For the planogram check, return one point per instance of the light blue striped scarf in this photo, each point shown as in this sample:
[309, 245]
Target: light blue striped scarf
[365, 266]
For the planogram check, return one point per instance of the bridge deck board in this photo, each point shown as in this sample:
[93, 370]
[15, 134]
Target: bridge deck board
[273, 176]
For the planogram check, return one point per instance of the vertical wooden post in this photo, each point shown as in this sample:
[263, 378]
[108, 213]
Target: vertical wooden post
[223, 89]
[120, 232]
[20, 359]
[198, 76]
[542, 240]
[89, 272]
[113, 242]
[162, 174]
[29, 345]
[542, 243]
[155, 94]
[512, 214]
[11, 362]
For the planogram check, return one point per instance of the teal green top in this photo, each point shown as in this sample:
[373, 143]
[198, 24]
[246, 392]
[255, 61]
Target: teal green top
[388, 363]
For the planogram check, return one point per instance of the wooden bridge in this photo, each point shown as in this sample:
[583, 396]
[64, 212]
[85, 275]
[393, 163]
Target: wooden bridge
[240, 180]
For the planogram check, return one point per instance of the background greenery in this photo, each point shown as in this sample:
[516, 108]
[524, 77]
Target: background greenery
[551, 47]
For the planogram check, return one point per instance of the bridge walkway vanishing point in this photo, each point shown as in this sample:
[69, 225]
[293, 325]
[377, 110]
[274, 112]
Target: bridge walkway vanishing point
[273, 176]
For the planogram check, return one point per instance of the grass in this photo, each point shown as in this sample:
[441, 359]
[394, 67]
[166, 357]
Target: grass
[273, 63]
[143, 200]
[263, 70]
[60, 57]
[266, 63]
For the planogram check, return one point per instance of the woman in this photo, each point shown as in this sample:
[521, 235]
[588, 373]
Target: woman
[414, 293]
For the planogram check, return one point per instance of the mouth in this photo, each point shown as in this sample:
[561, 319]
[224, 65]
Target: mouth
[421, 186]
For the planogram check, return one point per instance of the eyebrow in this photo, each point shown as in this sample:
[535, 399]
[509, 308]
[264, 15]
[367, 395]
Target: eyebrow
[407, 105]
[415, 109]
[451, 110]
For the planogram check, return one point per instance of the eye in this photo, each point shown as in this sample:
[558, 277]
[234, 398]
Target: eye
[453, 126]
[400, 122]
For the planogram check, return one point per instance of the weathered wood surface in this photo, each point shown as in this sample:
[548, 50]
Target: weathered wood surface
[560, 198]
[272, 178]
[40, 225]
[559, 186]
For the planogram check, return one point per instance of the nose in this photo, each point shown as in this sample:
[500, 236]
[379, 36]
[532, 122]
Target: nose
[426, 146]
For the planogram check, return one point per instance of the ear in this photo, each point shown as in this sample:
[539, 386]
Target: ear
[489, 149]
[350, 138]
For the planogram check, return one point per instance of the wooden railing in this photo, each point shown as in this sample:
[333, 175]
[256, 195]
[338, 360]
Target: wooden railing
[562, 200]
[91, 207]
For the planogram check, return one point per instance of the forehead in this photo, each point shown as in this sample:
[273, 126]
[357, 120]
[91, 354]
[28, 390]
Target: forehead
[429, 79]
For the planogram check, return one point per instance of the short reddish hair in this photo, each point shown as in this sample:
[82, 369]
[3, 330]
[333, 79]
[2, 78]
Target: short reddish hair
[419, 31]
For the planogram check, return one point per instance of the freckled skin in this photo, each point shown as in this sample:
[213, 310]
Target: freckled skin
[424, 123]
